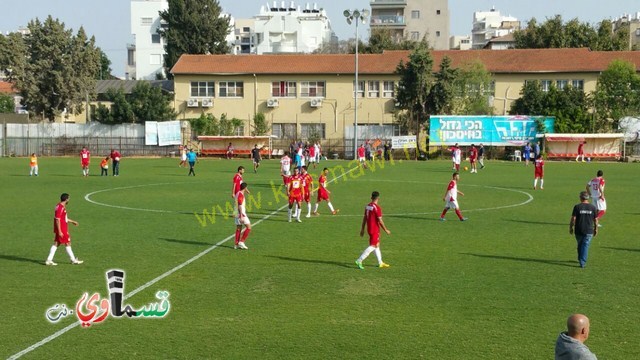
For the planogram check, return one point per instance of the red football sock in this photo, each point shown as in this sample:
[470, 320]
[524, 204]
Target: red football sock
[245, 235]
[444, 212]
[457, 167]
[600, 214]
[459, 214]
[238, 236]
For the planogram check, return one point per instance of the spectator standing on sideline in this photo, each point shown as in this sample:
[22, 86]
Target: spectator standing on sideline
[570, 344]
[61, 231]
[584, 225]
[481, 156]
[33, 164]
[192, 157]
[255, 156]
[387, 151]
[104, 167]
[230, 151]
[536, 149]
[183, 156]
[373, 221]
[526, 152]
[581, 151]
[115, 162]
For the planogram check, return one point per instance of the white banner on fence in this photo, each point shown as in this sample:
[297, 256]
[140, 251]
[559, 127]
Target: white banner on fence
[151, 133]
[169, 133]
[403, 142]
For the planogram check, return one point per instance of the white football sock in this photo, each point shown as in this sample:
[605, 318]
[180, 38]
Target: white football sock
[308, 209]
[541, 183]
[315, 208]
[70, 252]
[378, 255]
[289, 212]
[52, 252]
[330, 206]
[366, 253]
[535, 182]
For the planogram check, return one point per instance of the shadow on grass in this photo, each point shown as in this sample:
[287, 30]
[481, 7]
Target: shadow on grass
[311, 261]
[621, 249]
[186, 242]
[536, 222]
[20, 259]
[542, 261]
[416, 217]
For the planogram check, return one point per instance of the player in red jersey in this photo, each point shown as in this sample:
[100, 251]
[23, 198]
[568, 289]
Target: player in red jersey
[237, 181]
[85, 158]
[451, 198]
[312, 155]
[241, 218]
[285, 168]
[581, 151]
[307, 180]
[538, 172]
[323, 193]
[61, 231]
[295, 191]
[595, 188]
[473, 156]
[362, 160]
[373, 221]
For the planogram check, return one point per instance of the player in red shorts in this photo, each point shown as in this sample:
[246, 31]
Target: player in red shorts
[295, 190]
[323, 193]
[473, 157]
[237, 180]
[85, 157]
[307, 180]
[61, 231]
[538, 173]
[373, 221]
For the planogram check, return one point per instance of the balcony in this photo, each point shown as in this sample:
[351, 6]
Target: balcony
[385, 3]
[387, 20]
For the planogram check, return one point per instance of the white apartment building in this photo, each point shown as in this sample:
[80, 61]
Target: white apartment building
[413, 20]
[145, 57]
[490, 24]
[460, 42]
[283, 27]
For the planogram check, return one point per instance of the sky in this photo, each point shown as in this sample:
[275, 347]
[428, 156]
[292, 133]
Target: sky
[109, 21]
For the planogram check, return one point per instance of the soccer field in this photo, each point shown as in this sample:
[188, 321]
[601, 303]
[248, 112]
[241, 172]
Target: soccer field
[499, 286]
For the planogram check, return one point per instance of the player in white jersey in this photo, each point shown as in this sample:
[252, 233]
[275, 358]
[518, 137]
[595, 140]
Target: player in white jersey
[595, 188]
[241, 218]
[451, 198]
[317, 152]
[285, 164]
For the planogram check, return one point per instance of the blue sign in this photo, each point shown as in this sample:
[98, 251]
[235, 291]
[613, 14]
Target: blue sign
[488, 130]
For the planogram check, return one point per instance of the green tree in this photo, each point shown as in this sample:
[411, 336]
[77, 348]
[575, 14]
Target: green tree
[121, 110]
[105, 72]
[382, 39]
[441, 97]
[206, 124]
[7, 105]
[193, 27]
[52, 68]
[474, 88]
[149, 103]
[228, 126]
[260, 125]
[607, 40]
[531, 100]
[617, 95]
[102, 114]
[414, 86]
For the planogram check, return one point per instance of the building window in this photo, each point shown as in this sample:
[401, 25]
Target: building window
[637, 32]
[312, 89]
[415, 35]
[360, 90]
[283, 89]
[284, 131]
[146, 21]
[546, 85]
[239, 131]
[155, 38]
[438, 33]
[155, 59]
[231, 89]
[577, 84]
[388, 90]
[246, 29]
[310, 131]
[561, 84]
[202, 89]
[374, 89]
[415, 14]
[437, 12]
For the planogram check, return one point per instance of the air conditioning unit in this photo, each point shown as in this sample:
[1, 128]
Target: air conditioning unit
[273, 103]
[192, 102]
[316, 102]
[208, 102]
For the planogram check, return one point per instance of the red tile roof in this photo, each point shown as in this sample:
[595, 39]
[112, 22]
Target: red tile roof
[7, 88]
[503, 61]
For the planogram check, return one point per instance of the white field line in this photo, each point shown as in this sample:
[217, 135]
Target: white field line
[155, 280]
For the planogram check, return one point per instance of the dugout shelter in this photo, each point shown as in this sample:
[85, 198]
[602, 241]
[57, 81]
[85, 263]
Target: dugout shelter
[598, 146]
[242, 145]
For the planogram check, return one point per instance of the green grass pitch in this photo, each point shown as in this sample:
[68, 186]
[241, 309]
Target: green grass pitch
[499, 286]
